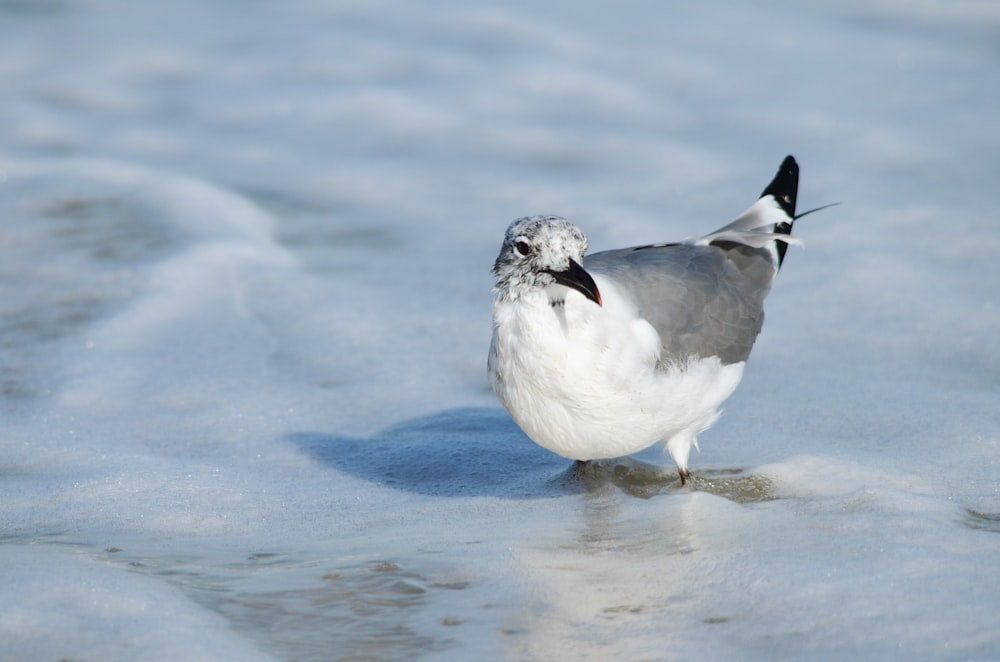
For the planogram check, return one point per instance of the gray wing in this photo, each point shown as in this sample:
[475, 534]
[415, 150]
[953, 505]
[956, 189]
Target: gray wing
[703, 300]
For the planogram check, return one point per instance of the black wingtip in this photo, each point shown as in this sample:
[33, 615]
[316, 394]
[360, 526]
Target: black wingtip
[785, 185]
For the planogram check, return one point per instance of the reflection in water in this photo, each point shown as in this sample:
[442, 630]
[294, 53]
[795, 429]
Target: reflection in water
[643, 480]
[633, 576]
[599, 546]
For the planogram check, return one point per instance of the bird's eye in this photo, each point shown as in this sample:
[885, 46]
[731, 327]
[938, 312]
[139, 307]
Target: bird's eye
[522, 247]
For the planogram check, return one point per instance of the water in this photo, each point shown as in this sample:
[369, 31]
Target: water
[245, 305]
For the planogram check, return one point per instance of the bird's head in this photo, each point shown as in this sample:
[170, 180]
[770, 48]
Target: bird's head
[539, 251]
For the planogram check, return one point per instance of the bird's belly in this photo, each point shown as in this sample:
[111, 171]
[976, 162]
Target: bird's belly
[598, 393]
[586, 423]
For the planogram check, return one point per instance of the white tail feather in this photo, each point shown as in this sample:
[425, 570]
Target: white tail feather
[754, 227]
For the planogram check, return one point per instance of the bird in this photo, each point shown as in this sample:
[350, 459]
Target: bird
[604, 355]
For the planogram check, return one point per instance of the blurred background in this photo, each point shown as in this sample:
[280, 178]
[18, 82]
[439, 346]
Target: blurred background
[245, 309]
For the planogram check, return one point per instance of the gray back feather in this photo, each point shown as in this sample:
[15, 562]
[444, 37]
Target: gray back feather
[703, 300]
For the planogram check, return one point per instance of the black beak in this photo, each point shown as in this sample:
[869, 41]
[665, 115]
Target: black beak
[577, 278]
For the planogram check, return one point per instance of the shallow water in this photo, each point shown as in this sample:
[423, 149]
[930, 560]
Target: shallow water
[245, 299]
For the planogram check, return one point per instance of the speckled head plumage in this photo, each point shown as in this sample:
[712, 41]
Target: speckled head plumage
[539, 251]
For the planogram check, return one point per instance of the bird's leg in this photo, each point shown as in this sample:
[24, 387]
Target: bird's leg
[685, 476]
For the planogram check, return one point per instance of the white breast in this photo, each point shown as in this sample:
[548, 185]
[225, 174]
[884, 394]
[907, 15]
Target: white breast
[582, 380]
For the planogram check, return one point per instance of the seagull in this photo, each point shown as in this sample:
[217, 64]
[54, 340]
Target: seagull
[603, 355]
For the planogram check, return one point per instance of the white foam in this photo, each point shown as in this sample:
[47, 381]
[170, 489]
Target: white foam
[72, 606]
[245, 295]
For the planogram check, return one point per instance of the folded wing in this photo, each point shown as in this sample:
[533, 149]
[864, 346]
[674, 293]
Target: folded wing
[705, 297]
